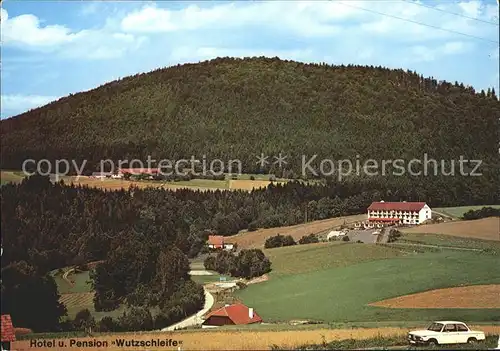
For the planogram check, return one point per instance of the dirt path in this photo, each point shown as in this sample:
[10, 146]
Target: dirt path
[436, 246]
[65, 277]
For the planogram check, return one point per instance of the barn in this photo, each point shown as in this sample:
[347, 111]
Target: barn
[236, 314]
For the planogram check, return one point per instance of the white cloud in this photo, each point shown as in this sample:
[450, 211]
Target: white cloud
[13, 104]
[427, 54]
[25, 31]
[398, 19]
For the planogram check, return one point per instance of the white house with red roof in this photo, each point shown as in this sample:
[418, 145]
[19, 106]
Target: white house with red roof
[218, 242]
[8, 333]
[236, 314]
[399, 212]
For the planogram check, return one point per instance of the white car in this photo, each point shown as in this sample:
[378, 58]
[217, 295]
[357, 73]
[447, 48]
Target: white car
[446, 332]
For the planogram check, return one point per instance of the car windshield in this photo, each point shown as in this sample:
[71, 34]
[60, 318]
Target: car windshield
[435, 327]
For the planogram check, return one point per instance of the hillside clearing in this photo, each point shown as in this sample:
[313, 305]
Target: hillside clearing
[342, 294]
[479, 296]
[485, 228]
[449, 241]
[116, 184]
[314, 257]
[459, 211]
[10, 177]
[256, 239]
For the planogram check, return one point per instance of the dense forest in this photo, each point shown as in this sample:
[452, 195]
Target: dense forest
[231, 108]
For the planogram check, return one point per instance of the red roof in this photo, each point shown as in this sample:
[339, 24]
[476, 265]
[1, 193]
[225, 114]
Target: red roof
[136, 171]
[396, 206]
[216, 240]
[238, 313]
[384, 219]
[7, 329]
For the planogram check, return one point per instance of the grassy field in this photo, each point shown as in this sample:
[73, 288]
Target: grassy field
[342, 294]
[81, 283]
[226, 339]
[256, 239]
[458, 212]
[314, 257]
[485, 228]
[450, 241]
[204, 279]
[10, 177]
[79, 295]
[242, 183]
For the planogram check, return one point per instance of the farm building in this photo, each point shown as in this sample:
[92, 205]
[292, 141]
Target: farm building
[237, 314]
[138, 171]
[8, 334]
[398, 212]
[334, 234]
[218, 242]
[101, 175]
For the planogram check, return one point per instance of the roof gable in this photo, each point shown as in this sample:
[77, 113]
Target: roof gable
[216, 240]
[238, 313]
[396, 206]
[8, 334]
[136, 171]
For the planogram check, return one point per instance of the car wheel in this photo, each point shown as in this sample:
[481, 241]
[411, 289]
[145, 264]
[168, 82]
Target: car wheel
[471, 341]
[432, 342]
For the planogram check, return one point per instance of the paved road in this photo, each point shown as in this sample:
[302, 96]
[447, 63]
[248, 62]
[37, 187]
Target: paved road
[196, 318]
[365, 236]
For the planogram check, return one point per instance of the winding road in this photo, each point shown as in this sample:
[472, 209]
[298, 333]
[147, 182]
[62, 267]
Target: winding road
[195, 319]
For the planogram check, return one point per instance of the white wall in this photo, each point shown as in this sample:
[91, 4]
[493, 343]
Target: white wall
[424, 214]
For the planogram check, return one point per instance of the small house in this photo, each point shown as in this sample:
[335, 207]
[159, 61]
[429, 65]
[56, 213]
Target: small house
[139, 171]
[334, 234]
[8, 334]
[101, 175]
[236, 314]
[218, 242]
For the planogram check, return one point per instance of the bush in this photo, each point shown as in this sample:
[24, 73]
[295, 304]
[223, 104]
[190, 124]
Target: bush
[252, 178]
[481, 213]
[22, 331]
[252, 226]
[279, 241]
[247, 264]
[345, 238]
[136, 319]
[394, 235]
[84, 320]
[309, 239]
[108, 324]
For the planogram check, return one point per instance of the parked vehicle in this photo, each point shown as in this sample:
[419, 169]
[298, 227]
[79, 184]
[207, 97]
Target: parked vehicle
[445, 332]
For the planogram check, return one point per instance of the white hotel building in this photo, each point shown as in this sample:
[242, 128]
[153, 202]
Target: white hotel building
[399, 212]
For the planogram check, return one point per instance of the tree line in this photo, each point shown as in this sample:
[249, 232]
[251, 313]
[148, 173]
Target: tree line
[246, 264]
[482, 213]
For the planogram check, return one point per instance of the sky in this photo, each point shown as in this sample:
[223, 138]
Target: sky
[53, 49]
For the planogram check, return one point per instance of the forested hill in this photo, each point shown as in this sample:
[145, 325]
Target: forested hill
[239, 108]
